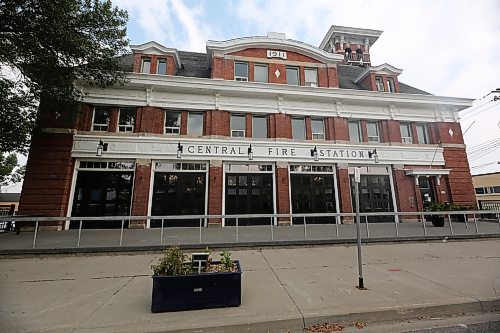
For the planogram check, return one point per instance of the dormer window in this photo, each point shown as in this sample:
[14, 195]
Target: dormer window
[161, 66]
[146, 65]
[379, 83]
[390, 85]
[241, 71]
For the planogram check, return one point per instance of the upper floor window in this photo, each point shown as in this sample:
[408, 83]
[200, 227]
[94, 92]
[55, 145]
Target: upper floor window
[259, 127]
[172, 122]
[318, 129]
[355, 131]
[260, 73]
[195, 123]
[379, 83]
[146, 65]
[422, 134]
[292, 76]
[238, 125]
[126, 120]
[373, 132]
[406, 136]
[390, 85]
[298, 128]
[241, 71]
[161, 66]
[311, 77]
[100, 120]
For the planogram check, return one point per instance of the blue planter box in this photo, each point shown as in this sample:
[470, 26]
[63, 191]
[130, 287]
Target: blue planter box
[196, 291]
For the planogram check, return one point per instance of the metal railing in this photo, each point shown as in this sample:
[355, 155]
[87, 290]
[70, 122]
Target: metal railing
[303, 228]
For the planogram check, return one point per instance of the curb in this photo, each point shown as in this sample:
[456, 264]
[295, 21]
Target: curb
[242, 245]
[298, 324]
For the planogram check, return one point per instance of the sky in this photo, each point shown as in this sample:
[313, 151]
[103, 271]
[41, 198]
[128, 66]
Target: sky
[447, 48]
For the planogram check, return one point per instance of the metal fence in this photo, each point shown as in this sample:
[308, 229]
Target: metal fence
[304, 228]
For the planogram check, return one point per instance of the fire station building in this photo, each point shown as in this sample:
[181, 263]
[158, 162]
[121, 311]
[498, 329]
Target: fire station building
[256, 125]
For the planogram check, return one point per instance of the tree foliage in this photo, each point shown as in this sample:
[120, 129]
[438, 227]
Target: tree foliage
[47, 50]
[8, 172]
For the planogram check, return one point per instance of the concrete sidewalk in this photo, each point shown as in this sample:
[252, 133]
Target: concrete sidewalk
[282, 289]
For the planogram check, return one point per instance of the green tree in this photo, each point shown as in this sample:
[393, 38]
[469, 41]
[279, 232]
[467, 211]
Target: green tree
[47, 50]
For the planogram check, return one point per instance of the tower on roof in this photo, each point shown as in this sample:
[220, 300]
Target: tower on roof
[353, 43]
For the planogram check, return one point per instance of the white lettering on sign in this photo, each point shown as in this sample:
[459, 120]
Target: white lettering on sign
[276, 54]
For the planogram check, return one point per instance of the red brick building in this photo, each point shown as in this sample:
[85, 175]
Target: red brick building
[254, 125]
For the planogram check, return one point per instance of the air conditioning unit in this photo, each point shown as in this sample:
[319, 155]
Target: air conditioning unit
[241, 79]
[311, 84]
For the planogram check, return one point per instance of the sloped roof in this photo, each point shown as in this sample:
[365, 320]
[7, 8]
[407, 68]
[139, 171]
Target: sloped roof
[194, 64]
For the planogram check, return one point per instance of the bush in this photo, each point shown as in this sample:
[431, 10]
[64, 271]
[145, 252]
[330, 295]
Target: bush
[173, 262]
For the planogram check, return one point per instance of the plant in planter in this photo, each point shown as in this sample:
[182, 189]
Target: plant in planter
[180, 284]
[437, 220]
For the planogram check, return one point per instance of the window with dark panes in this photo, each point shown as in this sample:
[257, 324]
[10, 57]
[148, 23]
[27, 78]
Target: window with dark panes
[127, 120]
[259, 126]
[195, 123]
[379, 83]
[172, 122]
[292, 76]
[298, 128]
[100, 120]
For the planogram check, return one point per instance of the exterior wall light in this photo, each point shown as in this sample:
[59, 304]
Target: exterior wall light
[250, 153]
[314, 153]
[179, 150]
[101, 146]
[374, 155]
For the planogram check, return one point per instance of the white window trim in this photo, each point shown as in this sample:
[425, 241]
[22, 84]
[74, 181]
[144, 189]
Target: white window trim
[100, 125]
[233, 133]
[373, 138]
[190, 114]
[379, 83]
[175, 129]
[158, 66]
[253, 126]
[298, 75]
[124, 128]
[318, 135]
[267, 72]
[310, 83]
[142, 64]
[406, 139]
[240, 78]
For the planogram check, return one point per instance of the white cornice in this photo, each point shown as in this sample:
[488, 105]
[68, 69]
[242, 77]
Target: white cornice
[380, 69]
[349, 32]
[153, 47]
[238, 44]
[188, 93]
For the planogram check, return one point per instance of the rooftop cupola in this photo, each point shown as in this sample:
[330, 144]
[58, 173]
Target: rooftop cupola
[353, 43]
